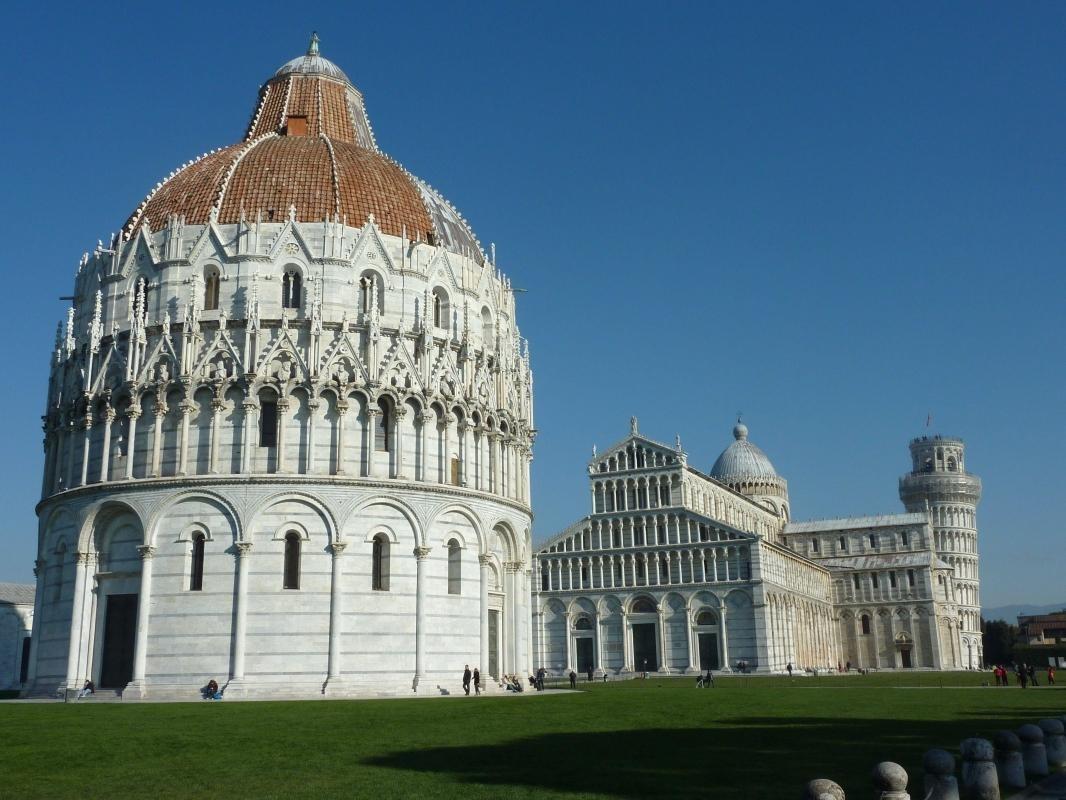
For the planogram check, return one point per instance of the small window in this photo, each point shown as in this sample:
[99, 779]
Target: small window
[865, 619]
[211, 290]
[814, 545]
[268, 423]
[910, 577]
[380, 576]
[455, 582]
[873, 540]
[905, 537]
[441, 311]
[292, 560]
[873, 580]
[855, 580]
[706, 618]
[290, 289]
[892, 579]
[196, 572]
[843, 544]
[381, 430]
[488, 334]
[583, 624]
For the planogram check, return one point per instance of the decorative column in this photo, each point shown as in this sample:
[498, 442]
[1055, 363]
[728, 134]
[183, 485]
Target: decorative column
[244, 552]
[484, 562]
[725, 639]
[627, 655]
[312, 412]
[217, 407]
[284, 404]
[567, 617]
[87, 427]
[250, 408]
[81, 569]
[338, 466]
[105, 456]
[515, 568]
[421, 554]
[183, 444]
[397, 443]
[598, 633]
[334, 681]
[134, 413]
[663, 667]
[372, 414]
[691, 641]
[137, 689]
[39, 568]
[427, 418]
[446, 449]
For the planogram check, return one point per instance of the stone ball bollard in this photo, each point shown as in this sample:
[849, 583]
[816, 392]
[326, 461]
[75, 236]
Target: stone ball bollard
[1054, 742]
[1034, 754]
[940, 783]
[1009, 760]
[890, 781]
[979, 779]
[823, 789]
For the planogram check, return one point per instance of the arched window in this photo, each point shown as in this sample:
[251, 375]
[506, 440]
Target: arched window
[268, 423]
[583, 624]
[196, 571]
[952, 465]
[706, 618]
[292, 560]
[371, 286]
[488, 334]
[381, 428]
[380, 568]
[211, 289]
[455, 566]
[865, 620]
[290, 288]
[644, 606]
[441, 311]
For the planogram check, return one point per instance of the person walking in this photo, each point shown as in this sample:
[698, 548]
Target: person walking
[1032, 675]
[466, 680]
[573, 679]
[540, 679]
[477, 682]
[1050, 675]
[789, 668]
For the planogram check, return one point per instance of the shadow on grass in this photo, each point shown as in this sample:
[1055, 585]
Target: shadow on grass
[747, 757]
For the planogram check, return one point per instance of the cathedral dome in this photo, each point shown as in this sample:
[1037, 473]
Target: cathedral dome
[309, 150]
[742, 459]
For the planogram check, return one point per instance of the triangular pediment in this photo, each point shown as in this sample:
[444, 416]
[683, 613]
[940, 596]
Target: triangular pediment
[370, 250]
[398, 369]
[220, 348]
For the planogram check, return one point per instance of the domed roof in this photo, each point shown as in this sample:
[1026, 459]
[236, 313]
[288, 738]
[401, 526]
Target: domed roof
[310, 147]
[742, 459]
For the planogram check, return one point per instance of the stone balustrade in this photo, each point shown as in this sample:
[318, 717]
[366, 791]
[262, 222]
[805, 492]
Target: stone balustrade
[990, 770]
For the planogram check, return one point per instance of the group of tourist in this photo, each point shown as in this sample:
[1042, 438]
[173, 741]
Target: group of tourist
[1024, 674]
[472, 677]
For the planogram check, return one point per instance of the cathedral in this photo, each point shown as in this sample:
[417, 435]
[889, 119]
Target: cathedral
[680, 571]
[288, 429]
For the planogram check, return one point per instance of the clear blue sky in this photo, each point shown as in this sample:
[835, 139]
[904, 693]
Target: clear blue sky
[835, 217]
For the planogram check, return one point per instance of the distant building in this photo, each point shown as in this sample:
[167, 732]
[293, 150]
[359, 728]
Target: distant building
[16, 625]
[675, 570]
[1042, 639]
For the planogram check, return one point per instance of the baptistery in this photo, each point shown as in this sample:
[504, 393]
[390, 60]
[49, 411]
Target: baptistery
[288, 429]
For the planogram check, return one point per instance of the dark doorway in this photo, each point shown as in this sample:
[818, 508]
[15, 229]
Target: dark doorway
[120, 632]
[494, 644]
[585, 661]
[644, 656]
[905, 658]
[24, 669]
[709, 651]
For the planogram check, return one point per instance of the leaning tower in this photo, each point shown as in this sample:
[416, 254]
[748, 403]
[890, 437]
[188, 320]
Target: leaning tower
[938, 481]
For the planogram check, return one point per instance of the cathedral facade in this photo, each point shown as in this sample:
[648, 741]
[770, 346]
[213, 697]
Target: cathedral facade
[678, 571]
[288, 429]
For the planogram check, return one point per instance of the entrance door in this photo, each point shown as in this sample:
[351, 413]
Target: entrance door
[644, 657]
[905, 658]
[584, 655]
[120, 632]
[709, 651]
[494, 644]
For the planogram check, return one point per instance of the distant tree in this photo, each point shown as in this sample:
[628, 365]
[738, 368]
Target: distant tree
[1000, 637]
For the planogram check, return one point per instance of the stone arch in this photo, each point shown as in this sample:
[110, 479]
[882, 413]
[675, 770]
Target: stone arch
[469, 515]
[641, 599]
[221, 504]
[396, 505]
[302, 498]
[103, 511]
[505, 532]
[58, 527]
[704, 598]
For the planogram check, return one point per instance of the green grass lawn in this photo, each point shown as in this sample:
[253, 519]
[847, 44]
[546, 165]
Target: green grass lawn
[749, 737]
